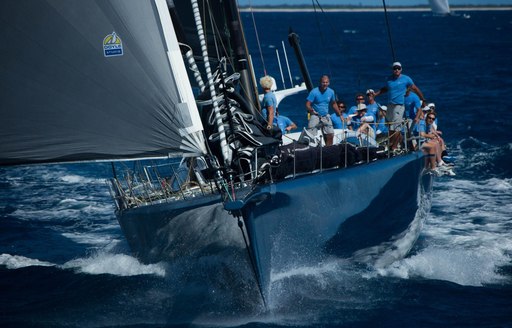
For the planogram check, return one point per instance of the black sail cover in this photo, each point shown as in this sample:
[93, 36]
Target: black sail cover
[85, 80]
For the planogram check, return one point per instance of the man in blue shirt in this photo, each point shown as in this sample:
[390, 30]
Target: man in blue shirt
[284, 123]
[397, 85]
[340, 122]
[359, 100]
[317, 104]
[372, 107]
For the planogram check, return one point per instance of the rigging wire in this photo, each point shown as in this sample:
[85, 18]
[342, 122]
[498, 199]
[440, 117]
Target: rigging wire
[336, 35]
[321, 32]
[389, 30]
[219, 42]
[207, 9]
[257, 38]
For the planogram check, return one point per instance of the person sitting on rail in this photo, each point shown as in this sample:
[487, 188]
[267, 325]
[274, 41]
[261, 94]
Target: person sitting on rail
[359, 100]
[361, 121]
[432, 141]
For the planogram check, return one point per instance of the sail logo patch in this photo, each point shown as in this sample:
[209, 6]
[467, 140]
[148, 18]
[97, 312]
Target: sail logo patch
[112, 45]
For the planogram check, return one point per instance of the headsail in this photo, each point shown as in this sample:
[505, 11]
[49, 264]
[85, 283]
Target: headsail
[93, 80]
[440, 7]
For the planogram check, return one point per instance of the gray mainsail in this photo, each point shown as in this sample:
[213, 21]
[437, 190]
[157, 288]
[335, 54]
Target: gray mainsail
[93, 80]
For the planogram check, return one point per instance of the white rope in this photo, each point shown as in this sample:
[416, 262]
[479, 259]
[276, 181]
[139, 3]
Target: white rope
[226, 152]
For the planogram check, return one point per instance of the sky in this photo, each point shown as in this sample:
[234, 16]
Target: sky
[371, 2]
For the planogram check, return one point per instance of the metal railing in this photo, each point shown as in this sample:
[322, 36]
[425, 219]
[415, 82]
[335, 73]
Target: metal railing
[158, 183]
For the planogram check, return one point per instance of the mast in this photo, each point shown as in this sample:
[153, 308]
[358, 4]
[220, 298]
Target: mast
[294, 40]
[241, 58]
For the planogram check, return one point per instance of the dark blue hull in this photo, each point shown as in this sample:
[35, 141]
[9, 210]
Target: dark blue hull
[289, 223]
[337, 212]
[166, 231]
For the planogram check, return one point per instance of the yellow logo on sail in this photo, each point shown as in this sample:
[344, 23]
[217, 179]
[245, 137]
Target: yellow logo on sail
[112, 45]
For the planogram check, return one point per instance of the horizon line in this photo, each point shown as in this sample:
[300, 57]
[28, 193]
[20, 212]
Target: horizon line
[357, 8]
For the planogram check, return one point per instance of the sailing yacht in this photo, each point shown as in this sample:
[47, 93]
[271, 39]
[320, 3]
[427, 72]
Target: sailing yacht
[156, 80]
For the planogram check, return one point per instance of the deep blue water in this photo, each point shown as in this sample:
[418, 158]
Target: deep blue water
[64, 261]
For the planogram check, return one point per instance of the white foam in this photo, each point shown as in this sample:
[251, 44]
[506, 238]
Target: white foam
[73, 178]
[94, 239]
[316, 271]
[17, 262]
[115, 264]
[467, 234]
[99, 263]
[461, 266]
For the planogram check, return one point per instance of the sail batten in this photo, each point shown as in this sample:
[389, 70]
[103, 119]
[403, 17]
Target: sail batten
[92, 80]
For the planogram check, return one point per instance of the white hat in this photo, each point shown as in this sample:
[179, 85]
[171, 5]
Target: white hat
[384, 108]
[426, 109]
[396, 64]
[369, 91]
[431, 105]
[361, 106]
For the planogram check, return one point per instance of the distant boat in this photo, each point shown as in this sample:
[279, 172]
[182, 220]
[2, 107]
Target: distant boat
[120, 80]
[440, 7]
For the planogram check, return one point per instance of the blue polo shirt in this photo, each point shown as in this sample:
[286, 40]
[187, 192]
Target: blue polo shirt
[269, 99]
[320, 101]
[337, 123]
[381, 125]
[373, 109]
[283, 122]
[412, 104]
[397, 88]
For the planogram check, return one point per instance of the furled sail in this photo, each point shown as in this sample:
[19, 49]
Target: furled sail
[85, 80]
[440, 7]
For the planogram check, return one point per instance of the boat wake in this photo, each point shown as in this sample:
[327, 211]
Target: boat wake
[453, 265]
[17, 261]
[114, 264]
[97, 264]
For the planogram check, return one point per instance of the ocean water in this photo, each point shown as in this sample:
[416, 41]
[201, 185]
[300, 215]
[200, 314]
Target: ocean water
[64, 261]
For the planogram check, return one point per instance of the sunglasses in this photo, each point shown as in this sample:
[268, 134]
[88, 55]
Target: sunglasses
[397, 68]
[430, 118]
[359, 98]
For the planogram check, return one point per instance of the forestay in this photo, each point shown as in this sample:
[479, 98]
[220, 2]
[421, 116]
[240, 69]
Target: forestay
[93, 80]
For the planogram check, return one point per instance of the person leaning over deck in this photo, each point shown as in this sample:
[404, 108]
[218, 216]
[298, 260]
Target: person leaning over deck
[269, 103]
[317, 104]
[340, 122]
[397, 85]
[284, 123]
